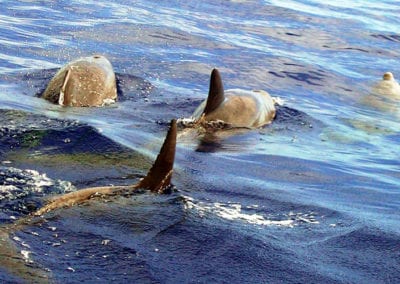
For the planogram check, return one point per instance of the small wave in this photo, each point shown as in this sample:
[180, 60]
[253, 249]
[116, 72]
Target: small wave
[236, 212]
[24, 252]
[17, 183]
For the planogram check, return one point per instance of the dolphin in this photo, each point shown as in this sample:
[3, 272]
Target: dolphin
[384, 95]
[235, 107]
[387, 87]
[157, 180]
[84, 82]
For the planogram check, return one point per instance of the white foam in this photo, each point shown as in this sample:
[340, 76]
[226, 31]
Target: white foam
[107, 102]
[105, 242]
[18, 183]
[235, 212]
[6, 191]
[278, 100]
[186, 122]
[25, 254]
[17, 239]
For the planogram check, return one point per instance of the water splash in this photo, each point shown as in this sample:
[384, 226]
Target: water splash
[236, 212]
[17, 183]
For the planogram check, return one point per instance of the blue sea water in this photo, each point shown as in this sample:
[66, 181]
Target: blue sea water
[312, 198]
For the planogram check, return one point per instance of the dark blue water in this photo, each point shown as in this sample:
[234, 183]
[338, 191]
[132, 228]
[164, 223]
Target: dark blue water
[312, 198]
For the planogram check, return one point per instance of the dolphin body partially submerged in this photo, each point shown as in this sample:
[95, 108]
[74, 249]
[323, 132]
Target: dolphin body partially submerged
[85, 82]
[157, 180]
[384, 95]
[235, 107]
[387, 87]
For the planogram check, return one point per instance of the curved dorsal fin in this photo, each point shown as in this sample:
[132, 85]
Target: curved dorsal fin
[158, 177]
[216, 92]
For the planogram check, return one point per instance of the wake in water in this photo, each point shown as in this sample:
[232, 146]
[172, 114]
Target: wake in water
[248, 214]
[18, 184]
[21, 192]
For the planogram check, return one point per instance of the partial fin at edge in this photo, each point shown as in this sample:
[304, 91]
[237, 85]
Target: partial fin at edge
[215, 93]
[159, 176]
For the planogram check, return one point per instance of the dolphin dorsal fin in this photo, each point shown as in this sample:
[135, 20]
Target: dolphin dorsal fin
[216, 92]
[158, 177]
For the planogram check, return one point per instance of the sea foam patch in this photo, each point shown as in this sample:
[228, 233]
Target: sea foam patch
[17, 183]
[237, 212]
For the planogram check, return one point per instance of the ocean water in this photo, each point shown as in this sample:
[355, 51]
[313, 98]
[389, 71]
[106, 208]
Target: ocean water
[312, 198]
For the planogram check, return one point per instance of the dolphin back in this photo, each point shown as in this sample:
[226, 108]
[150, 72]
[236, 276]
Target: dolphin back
[87, 81]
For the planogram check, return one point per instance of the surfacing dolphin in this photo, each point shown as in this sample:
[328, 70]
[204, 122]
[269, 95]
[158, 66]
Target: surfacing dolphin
[387, 87]
[384, 95]
[85, 82]
[158, 180]
[235, 107]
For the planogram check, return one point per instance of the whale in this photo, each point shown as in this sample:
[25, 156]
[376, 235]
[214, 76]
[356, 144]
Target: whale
[85, 82]
[157, 180]
[237, 108]
[387, 87]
